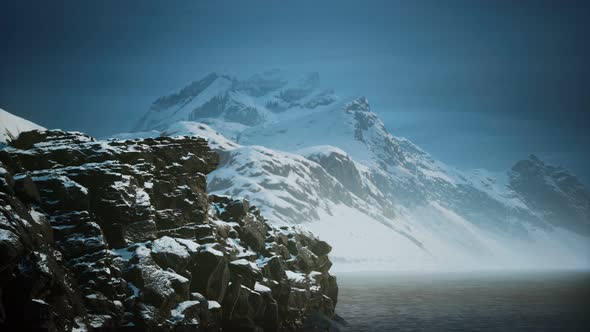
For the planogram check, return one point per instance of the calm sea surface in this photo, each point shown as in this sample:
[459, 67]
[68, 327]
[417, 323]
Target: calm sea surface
[497, 301]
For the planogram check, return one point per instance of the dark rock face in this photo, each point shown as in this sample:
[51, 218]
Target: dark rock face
[342, 167]
[31, 269]
[123, 235]
[557, 194]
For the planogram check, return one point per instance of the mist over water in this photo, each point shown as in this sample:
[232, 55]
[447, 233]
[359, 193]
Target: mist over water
[470, 301]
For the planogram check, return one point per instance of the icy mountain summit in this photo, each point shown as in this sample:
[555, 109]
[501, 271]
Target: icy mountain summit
[250, 102]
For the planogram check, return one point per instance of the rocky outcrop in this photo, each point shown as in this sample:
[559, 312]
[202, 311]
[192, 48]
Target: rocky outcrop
[123, 235]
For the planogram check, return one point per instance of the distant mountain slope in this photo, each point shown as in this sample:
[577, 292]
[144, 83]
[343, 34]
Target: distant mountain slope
[305, 155]
[554, 192]
[254, 101]
[11, 126]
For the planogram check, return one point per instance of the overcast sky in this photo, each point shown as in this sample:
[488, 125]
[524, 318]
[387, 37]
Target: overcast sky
[479, 84]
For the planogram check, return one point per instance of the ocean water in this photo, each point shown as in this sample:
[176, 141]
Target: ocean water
[492, 301]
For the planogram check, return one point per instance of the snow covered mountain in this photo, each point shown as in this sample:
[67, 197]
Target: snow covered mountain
[251, 102]
[305, 155]
[11, 126]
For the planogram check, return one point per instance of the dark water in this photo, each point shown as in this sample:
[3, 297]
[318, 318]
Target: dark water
[516, 301]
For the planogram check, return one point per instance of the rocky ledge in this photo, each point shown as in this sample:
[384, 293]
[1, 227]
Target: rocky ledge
[122, 235]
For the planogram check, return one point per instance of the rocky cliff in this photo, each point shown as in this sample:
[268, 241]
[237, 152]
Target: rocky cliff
[122, 234]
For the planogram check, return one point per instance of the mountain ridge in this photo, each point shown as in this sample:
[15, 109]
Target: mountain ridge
[391, 177]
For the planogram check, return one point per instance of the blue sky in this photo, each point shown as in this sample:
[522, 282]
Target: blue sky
[476, 83]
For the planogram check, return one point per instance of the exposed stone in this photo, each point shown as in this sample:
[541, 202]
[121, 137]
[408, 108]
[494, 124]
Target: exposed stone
[249, 272]
[107, 234]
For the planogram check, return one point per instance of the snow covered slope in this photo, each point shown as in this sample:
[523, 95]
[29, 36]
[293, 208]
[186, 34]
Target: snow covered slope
[288, 187]
[11, 126]
[306, 156]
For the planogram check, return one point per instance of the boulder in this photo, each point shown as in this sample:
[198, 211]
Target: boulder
[320, 248]
[254, 233]
[26, 189]
[274, 268]
[168, 253]
[249, 272]
[210, 273]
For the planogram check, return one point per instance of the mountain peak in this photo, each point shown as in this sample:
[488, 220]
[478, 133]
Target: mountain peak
[190, 91]
[263, 83]
[359, 104]
[535, 166]
[533, 157]
[249, 102]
